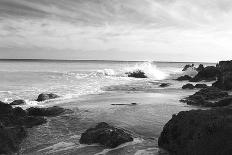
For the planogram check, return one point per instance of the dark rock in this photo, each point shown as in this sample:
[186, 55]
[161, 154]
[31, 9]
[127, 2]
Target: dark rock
[12, 127]
[164, 84]
[105, 135]
[209, 73]
[137, 74]
[200, 68]
[201, 86]
[10, 138]
[188, 86]
[224, 81]
[184, 78]
[46, 96]
[18, 102]
[204, 96]
[223, 102]
[5, 108]
[187, 66]
[51, 111]
[133, 103]
[199, 132]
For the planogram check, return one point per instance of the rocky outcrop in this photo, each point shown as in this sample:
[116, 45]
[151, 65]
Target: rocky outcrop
[200, 68]
[18, 102]
[206, 97]
[137, 74]
[51, 111]
[208, 73]
[184, 78]
[191, 86]
[105, 135]
[199, 132]
[187, 66]
[224, 78]
[188, 86]
[46, 96]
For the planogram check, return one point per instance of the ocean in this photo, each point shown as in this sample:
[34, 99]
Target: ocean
[89, 88]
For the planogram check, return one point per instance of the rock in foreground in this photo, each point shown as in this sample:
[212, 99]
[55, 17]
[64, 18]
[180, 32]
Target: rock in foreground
[46, 96]
[105, 135]
[188, 86]
[137, 74]
[199, 132]
[208, 73]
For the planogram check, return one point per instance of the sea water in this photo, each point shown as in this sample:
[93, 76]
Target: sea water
[89, 88]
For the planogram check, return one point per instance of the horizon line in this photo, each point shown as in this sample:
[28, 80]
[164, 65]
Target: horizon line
[159, 61]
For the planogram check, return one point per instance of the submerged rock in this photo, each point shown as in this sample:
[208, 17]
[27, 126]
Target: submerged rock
[46, 96]
[18, 102]
[184, 78]
[188, 86]
[105, 135]
[199, 132]
[137, 74]
[205, 97]
[51, 111]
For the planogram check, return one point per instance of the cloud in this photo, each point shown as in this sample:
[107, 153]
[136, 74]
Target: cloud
[158, 29]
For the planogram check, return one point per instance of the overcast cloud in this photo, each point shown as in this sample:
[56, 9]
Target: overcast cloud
[168, 30]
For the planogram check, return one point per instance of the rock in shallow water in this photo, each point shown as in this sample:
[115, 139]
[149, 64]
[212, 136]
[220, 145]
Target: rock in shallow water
[46, 96]
[199, 132]
[184, 78]
[188, 86]
[204, 97]
[51, 111]
[18, 102]
[105, 135]
[137, 74]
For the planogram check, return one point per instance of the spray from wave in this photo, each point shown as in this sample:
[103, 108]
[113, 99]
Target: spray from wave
[150, 70]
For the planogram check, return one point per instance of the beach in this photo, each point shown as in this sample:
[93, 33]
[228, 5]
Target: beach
[96, 91]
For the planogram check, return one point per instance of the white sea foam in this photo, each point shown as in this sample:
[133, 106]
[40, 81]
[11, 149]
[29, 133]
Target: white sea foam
[149, 69]
[191, 71]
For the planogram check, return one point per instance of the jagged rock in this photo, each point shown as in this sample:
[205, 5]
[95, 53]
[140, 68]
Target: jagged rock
[188, 86]
[198, 132]
[46, 96]
[137, 74]
[187, 66]
[209, 73]
[224, 78]
[205, 96]
[184, 78]
[18, 102]
[200, 86]
[200, 68]
[105, 135]
[164, 84]
[51, 111]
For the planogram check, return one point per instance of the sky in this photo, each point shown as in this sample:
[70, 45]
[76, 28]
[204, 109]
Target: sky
[160, 30]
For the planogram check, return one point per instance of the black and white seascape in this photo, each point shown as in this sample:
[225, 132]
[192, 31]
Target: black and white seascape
[115, 77]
